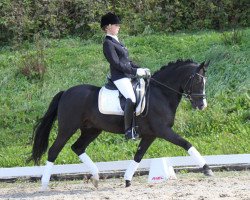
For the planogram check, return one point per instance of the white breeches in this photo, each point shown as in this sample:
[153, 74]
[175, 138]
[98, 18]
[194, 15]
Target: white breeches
[124, 85]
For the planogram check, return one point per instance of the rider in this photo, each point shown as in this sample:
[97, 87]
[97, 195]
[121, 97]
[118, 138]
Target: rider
[121, 68]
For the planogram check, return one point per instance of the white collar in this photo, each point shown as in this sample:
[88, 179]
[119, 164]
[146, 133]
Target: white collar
[113, 36]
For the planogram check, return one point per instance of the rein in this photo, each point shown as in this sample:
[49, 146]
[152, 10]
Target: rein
[168, 87]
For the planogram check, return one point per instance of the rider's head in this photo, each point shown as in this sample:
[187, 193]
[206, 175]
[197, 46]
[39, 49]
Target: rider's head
[110, 23]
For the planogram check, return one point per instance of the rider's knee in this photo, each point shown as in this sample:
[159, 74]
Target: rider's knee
[130, 102]
[133, 99]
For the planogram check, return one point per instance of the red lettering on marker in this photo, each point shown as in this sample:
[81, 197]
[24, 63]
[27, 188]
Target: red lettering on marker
[157, 178]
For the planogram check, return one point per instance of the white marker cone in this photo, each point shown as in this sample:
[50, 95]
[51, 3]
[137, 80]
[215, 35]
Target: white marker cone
[160, 171]
[172, 175]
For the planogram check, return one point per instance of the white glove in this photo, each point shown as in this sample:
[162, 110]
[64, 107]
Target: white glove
[141, 72]
[147, 71]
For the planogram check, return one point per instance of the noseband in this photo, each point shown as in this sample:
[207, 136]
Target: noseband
[187, 92]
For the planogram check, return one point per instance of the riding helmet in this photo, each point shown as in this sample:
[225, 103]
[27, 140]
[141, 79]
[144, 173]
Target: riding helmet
[109, 18]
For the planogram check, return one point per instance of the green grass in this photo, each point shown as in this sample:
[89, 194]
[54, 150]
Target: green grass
[223, 128]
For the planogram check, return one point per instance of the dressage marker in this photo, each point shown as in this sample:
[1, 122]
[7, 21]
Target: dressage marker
[160, 171]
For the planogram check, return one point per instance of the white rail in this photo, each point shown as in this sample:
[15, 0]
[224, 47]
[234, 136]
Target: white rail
[180, 161]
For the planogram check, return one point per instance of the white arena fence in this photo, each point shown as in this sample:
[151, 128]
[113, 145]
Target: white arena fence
[113, 166]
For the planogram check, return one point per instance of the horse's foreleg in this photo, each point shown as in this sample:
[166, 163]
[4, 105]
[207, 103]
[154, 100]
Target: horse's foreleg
[192, 151]
[176, 139]
[142, 148]
[79, 147]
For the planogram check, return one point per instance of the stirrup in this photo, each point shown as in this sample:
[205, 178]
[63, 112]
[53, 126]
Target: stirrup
[131, 134]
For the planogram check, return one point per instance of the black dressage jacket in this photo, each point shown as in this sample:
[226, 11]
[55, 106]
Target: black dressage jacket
[117, 55]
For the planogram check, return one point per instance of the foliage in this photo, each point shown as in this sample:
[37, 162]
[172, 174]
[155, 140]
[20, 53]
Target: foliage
[21, 19]
[33, 64]
[223, 128]
[232, 38]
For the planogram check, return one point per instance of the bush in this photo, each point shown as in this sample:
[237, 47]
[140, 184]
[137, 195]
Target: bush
[32, 67]
[33, 64]
[232, 38]
[20, 20]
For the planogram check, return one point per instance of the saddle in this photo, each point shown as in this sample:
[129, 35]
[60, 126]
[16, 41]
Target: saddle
[112, 102]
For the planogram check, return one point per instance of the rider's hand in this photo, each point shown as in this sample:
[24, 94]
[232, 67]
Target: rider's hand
[148, 73]
[141, 72]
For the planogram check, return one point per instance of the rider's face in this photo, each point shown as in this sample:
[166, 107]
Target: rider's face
[113, 29]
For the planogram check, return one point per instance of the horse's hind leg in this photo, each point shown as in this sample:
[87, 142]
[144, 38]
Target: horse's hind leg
[176, 139]
[79, 147]
[64, 134]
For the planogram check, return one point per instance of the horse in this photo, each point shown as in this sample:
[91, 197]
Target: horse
[77, 108]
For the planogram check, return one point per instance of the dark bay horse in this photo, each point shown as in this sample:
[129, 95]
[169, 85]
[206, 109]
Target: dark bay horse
[77, 108]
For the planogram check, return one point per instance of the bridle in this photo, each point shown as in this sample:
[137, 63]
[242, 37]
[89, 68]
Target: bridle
[187, 91]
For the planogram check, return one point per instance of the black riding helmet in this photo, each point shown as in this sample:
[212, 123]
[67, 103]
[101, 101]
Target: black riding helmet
[109, 18]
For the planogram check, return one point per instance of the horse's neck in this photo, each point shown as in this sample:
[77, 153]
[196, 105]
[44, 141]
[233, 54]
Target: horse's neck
[170, 82]
[171, 88]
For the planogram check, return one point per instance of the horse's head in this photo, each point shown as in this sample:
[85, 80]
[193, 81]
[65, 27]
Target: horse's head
[184, 78]
[195, 87]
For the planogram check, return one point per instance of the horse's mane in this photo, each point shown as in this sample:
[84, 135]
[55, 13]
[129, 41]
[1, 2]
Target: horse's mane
[174, 65]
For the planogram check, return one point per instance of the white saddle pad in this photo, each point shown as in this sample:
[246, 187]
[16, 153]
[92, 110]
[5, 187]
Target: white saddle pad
[109, 103]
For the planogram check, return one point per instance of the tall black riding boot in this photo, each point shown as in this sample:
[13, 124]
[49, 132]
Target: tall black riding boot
[128, 119]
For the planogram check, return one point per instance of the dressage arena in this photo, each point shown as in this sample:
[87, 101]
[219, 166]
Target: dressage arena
[230, 182]
[224, 185]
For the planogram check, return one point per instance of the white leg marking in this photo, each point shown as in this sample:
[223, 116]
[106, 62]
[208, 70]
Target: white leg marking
[46, 175]
[131, 170]
[197, 156]
[90, 164]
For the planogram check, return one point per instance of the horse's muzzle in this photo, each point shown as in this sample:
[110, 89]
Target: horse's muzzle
[201, 105]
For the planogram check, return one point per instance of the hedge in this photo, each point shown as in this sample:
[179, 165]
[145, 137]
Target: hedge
[21, 19]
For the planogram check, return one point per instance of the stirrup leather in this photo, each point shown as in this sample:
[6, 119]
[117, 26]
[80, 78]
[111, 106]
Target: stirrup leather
[131, 134]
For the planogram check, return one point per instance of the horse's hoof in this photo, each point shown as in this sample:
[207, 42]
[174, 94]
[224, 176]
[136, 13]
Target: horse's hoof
[95, 180]
[207, 171]
[128, 183]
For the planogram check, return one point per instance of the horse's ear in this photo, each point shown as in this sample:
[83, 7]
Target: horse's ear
[201, 66]
[206, 64]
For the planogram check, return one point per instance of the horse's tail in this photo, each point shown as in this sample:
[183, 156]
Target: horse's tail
[42, 130]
